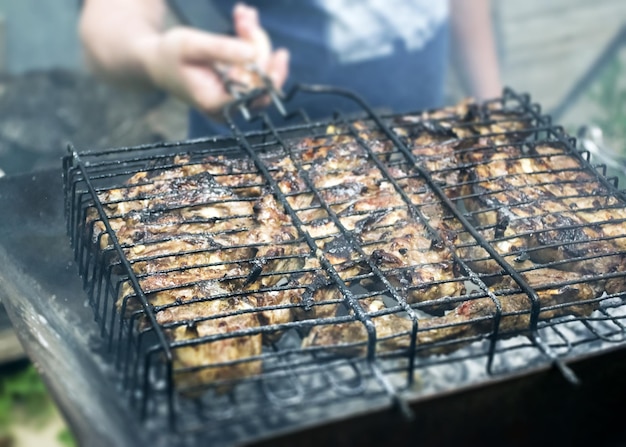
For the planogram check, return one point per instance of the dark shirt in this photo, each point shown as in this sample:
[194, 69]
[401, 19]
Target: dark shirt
[391, 52]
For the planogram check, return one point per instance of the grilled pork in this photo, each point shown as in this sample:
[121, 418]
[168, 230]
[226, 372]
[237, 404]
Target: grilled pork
[537, 201]
[208, 254]
[533, 205]
[224, 265]
[559, 293]
[373, 209]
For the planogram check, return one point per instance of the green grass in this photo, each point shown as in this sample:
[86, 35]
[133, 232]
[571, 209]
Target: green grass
[25, 400]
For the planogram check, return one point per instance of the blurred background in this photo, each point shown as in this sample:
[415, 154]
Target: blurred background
[569, 55]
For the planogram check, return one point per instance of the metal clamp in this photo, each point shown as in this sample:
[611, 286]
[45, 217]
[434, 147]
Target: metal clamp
[245, 94]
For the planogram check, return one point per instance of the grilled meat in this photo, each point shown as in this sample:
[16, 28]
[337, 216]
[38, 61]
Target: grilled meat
[465, 124]
[543, 204]
[516, 191]
[392, 332]
[209, 260]
[223, 264]
[199, 363]
[558, 292]
[419, 269]
[350, 184]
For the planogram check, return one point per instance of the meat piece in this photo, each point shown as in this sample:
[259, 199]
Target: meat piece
[207, 259]
[470, 121]
[203, 363]
[174, 201]
[351, 338]
[319, 298]
[224, 266]
[416, 266]
[354, 187]
[559, 293]
[543, 204]
[435, 148]
[276, 307]
[337, 151]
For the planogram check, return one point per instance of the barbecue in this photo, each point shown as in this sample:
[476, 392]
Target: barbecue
[294, 275]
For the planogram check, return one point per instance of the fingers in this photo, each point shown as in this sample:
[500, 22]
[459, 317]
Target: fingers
[205, 89]
[199, 47]
[243, 16]
[278, 67]
[200, 52]
[248, 28]
[277, 72]
[246, 22]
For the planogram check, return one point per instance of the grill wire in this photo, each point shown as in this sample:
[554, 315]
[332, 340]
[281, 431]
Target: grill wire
[390, 359]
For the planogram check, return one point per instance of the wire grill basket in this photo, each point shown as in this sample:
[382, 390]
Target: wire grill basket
[327, 267]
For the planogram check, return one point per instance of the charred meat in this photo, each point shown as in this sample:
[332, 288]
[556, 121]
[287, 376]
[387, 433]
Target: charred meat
[228, 263]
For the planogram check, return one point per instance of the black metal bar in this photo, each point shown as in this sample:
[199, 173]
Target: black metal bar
[126, 265]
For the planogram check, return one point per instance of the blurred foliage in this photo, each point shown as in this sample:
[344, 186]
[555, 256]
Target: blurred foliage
[66, 439]
[25, 400]
[609, 94]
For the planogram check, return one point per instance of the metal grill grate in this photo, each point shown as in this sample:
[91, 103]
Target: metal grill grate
[329, 267]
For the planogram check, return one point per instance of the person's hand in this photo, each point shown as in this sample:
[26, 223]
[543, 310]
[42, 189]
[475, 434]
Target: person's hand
[183, 60]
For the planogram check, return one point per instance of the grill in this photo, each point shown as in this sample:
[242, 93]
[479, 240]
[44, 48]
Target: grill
[331, 319]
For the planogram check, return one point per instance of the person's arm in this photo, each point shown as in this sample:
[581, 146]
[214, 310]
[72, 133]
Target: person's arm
[125, 41]
[474, 47]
